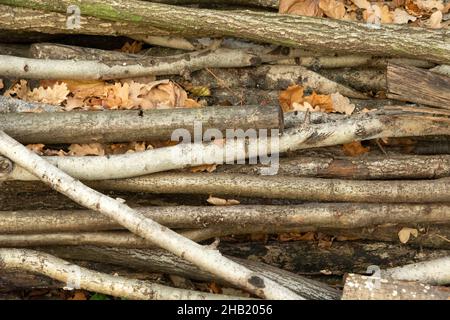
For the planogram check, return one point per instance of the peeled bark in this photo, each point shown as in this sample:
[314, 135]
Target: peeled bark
[143, 125]
[286, 30]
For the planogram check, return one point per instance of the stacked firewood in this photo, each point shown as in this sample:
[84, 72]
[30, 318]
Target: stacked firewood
[348, 198]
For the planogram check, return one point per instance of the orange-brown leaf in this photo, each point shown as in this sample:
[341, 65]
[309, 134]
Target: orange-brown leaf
[354, 148]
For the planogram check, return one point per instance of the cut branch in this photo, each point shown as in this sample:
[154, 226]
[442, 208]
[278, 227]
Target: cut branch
[359, 287]
[315, 215]
[275, 187]
[205, 258]
[375, 125]
[58, 269]
[18, 67]
[419, 86]
[300, 31]
[122, 126]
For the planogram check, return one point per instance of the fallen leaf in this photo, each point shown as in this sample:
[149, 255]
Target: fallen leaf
[354, 149]
[332, 8]
[88, 149]
[429, 5]
[79, 295]
[214, 288]
[296, 236]
[342, 104]
[260, 237]
[222, 202]
[362, 4]
[18, 90]
[51, 95]
[134, 47]
[204, 168]
[400, 16]
[435, 20]
[405, 234]
[292, 94]
[322, 101]
[36, 148]
[1, 84]
[301, 7]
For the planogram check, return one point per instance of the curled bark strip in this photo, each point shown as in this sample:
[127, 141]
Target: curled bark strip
[205, 258]
[365, 126]
[17, 67]
[288, 30]
[314, 215]
[73, 275]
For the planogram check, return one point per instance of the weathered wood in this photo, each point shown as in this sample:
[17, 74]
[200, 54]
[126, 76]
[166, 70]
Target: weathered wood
[134, 125]
[253, 3]
[302, 257]
[419, 86]
[310, 189]
[267, 27]
[316, 216]
[358, 287]
[363, 80]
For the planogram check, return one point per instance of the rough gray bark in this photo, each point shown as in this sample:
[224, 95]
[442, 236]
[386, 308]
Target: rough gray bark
[8, 104]
[29, 68]
[419, 86]
[310, 189]
[314, 216]
[286, 30]
[268, 77]
[363, 80]
[142, 125]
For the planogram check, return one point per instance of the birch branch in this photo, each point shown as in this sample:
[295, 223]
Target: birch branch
[309, 215]
[204, 258]
[28, 68]
[61, 270]
[300, 31]
[359, 127]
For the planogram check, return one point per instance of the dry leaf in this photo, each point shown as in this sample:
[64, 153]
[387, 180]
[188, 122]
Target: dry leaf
[305, 106]
[88, 149]
[79, 295]
[301, 7]
[18, 90]
[429, 5]
[354, 149]
[322, 101]
[332, 8]
[1, 84]
[204, 168]
[342, 104]
[295, 236]
[36, 148]
[400, 16]
[51, 95]
[214, 288]
[405, 233]
[435, 20]
[221, 202]
[292, 94]
[134, 47]
[362, 4]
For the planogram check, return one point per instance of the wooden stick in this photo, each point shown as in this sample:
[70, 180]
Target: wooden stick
[205, 258]
[18, 67]
[365, 126]
[275, 187]
[287, 30]
[144, 125]
[315, 215]
[337, 258]
[358, 287]
[419, 86]
[82, 278]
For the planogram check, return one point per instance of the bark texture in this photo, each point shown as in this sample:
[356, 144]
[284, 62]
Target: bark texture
[286, 30]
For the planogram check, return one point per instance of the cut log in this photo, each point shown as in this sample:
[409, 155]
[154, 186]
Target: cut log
[143, 125]
[301, 31]
[419, 86]
[358, 287]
